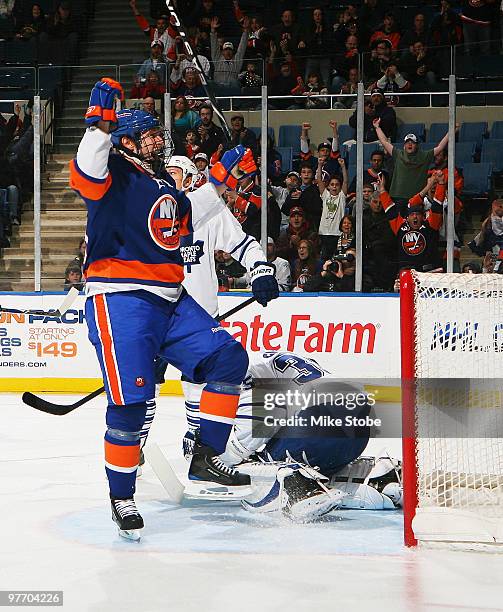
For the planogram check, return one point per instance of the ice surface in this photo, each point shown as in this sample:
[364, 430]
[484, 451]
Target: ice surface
[204, 556]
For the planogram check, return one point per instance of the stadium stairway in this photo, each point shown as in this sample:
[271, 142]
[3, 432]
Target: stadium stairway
[114, 39]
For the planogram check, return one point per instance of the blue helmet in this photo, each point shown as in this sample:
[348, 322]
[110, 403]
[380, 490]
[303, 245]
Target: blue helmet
[132, 123]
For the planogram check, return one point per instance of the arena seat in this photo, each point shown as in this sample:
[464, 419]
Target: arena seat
[492, 152]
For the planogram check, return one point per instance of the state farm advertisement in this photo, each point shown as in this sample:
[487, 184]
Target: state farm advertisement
[349, 336]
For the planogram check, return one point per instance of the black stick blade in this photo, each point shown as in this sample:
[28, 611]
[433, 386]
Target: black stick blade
[44, 406]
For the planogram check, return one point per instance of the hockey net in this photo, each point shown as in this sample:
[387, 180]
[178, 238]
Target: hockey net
[452, 402]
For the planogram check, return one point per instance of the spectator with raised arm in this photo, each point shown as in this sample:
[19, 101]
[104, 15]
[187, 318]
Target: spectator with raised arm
[328, 152]
[411, 164]
[417, 233]
[333, 195]
[392, 81]
[161, 30]
[226, 63]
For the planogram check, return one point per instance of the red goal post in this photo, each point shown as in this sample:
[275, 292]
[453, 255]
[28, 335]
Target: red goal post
[452, 407]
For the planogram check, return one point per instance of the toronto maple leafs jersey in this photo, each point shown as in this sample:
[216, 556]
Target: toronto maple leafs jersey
[135, 221]
[222, 233]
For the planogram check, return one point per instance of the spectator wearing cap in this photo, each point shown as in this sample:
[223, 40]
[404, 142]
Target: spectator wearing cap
[202, 164]
[417, 233]
[210, 135]
[306, 197]
[411, 164]
[241, 135]
[226, 63]
[297, 230]
[154, 63]
[375, 108]
[283, 272]
[328, 152]
[333, 195]
[387, 31]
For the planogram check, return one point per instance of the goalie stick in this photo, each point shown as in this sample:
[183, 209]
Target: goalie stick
[61, 409]
[193, 57]
[67, 302]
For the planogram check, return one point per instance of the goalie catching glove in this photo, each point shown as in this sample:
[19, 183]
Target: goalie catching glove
[264, 285]
[234, 165]
[103, 102]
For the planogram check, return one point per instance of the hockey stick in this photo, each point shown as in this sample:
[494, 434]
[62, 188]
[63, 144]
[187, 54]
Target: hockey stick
[195, 60]
[60, 410]
[67, 302]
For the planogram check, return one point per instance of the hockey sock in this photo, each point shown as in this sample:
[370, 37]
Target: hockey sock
[192, 414]
[122, 448]
[149, 417]
[218, 408]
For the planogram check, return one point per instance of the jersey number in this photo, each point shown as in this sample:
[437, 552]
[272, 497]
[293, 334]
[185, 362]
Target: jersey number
[307, 370]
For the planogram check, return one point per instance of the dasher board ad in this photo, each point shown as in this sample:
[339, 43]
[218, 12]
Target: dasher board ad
[348, 335]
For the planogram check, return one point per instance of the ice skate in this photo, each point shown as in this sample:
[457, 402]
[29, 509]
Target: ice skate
[210, 478]
[128, 519]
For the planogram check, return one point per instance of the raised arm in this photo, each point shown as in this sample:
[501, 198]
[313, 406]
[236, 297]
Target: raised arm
[305, 153]
[443, 143]
[319, 181]
[387, 146]
[344, 170]
[335, 139]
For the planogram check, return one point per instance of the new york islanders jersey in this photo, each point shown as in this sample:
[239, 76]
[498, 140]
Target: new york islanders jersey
[135, 222]
[223, 233]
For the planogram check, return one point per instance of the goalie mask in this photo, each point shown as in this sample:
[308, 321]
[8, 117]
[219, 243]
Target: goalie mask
[140, 138]
[182, 171]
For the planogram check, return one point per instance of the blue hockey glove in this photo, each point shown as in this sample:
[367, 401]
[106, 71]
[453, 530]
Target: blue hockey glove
[234, 165]
[102, 101]
[264, 285]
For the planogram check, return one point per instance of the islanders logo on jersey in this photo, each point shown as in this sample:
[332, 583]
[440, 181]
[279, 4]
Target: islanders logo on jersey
[413, 243]
[164, 224]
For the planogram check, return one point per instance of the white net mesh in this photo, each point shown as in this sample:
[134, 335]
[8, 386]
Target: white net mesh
[459, 398]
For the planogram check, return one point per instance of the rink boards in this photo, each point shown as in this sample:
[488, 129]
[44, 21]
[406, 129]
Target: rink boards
[350, 335]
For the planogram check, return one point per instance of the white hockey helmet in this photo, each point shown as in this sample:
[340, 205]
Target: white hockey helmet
[187, 167]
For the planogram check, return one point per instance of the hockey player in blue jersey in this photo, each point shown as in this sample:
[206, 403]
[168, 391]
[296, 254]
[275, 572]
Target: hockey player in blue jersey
[136, 307]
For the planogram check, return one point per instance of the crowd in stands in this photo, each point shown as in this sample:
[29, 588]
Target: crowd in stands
[16, 168]
[47, 31]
